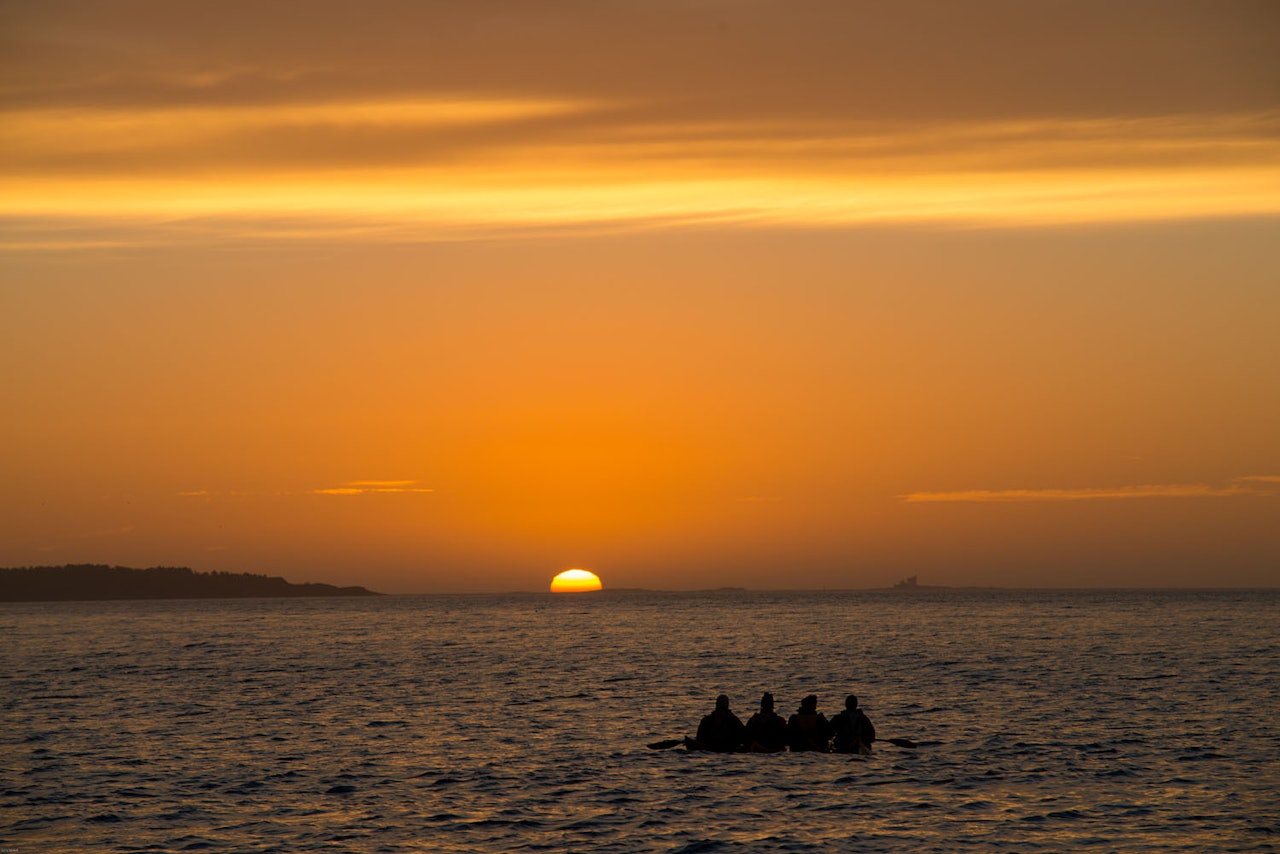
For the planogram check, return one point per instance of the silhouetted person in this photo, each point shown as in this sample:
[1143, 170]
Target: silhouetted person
[766, 730]
[721, 730]
[808, 728]
[852, 731]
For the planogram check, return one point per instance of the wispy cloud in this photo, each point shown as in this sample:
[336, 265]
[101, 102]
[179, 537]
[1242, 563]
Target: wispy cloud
[374, 487]
[352, 487]
[1248, 485]
[49, 135]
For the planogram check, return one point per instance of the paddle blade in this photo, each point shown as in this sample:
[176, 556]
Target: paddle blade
[902, 742]
[664, 745]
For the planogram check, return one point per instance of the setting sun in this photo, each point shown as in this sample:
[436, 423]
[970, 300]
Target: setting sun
[575, 581]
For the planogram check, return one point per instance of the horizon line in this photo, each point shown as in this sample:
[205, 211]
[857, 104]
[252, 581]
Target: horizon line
[920, 588]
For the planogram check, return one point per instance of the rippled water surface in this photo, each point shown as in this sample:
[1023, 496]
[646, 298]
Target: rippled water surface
[1051, 721]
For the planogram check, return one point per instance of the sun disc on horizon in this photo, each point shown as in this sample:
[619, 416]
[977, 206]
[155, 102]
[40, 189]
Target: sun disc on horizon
[575, 581]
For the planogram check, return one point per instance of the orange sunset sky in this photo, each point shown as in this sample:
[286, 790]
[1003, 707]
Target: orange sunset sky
[451, 296]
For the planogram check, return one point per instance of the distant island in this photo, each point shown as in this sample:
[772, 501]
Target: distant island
[94, 582]
[912, 583]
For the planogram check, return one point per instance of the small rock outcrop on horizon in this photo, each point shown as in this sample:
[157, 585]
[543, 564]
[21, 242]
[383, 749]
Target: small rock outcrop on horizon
[94, 582]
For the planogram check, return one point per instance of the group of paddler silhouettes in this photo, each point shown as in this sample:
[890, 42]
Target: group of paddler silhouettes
[766, 731]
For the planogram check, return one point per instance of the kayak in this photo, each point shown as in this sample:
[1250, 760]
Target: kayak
[694, 744]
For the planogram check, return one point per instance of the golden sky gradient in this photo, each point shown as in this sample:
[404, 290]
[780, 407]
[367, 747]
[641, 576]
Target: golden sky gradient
[454, 296]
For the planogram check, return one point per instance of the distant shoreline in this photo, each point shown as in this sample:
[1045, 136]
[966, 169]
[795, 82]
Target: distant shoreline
[98, 583]
[922, 588]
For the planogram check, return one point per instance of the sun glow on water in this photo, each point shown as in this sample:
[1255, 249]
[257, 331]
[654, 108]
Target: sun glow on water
[575, 581]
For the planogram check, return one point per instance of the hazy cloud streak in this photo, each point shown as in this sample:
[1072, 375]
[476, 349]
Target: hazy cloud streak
[444, 169]
[374, 487]
[354, 487]
[1171, 490]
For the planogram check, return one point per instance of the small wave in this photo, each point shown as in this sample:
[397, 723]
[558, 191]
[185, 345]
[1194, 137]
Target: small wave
[135, 793]
[977, 805]
[700, 846]
[446, 781]
[34, 823]
[1134, 812]
[506, 822]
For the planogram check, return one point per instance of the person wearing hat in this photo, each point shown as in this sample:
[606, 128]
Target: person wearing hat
[721, 731]
[808, 728]
[852, 730]
[766, 729]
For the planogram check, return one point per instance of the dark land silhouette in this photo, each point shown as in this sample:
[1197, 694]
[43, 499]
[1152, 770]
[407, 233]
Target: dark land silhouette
[94, 582]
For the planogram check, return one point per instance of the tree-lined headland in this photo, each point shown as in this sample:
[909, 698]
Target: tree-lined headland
[97, 582]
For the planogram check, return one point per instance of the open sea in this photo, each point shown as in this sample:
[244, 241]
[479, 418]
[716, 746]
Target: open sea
[1053, 721]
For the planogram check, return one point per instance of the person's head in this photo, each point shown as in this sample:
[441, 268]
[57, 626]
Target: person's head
[722, 703]
[851, 702]
[809, 704]
[766, 702]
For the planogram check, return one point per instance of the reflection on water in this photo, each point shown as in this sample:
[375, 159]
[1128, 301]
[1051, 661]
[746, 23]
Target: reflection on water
[1120, 721]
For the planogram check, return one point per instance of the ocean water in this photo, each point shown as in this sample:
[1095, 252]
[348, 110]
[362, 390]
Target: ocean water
[1055, 721]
